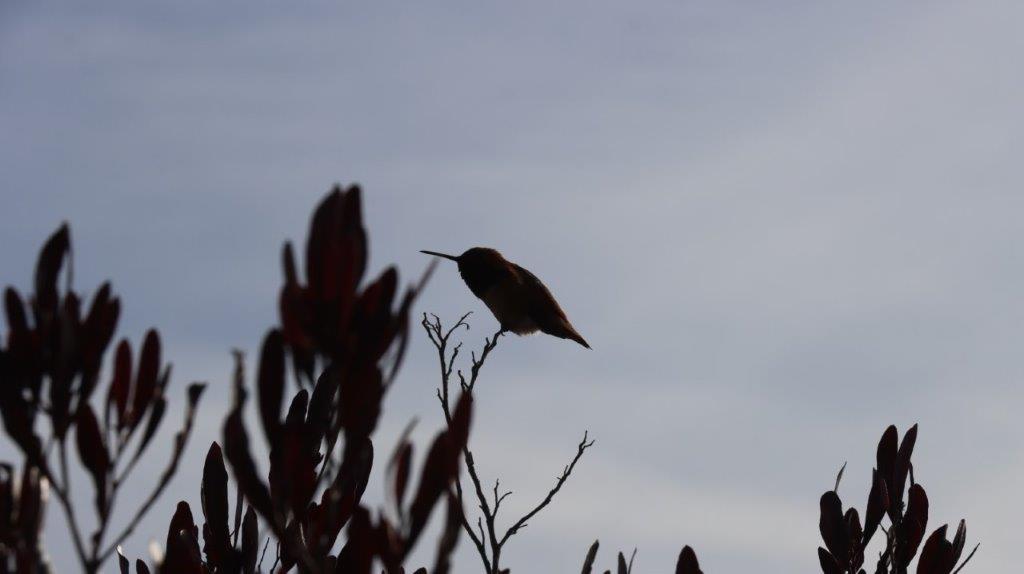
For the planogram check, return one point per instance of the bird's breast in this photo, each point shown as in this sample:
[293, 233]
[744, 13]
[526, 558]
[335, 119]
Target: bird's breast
[509, 306]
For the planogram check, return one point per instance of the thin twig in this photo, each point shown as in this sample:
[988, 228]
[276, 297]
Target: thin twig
[580, 449]
[439, 337]
[63, 490]
[968, 559]
[259, 568]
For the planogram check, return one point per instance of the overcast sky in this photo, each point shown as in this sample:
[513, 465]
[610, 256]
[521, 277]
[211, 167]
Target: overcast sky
[782, 226]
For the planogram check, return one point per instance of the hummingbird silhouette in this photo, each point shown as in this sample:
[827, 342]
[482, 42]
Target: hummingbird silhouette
[516, 297]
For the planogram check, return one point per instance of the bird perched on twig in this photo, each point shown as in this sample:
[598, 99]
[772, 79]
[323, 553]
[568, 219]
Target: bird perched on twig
[519, 301]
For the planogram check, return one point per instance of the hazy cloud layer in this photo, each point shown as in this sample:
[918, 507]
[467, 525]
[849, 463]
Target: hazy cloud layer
[778, 225]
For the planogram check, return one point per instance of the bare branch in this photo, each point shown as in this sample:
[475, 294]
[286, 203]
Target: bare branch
[488, 505]
[580, 449]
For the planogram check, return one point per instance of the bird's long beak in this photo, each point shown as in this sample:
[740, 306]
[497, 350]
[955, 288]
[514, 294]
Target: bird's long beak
[452, 257]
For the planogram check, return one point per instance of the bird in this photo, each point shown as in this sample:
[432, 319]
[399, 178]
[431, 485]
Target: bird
[519, 300]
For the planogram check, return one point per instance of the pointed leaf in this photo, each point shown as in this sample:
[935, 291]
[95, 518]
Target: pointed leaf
[93, 454]
[214, 495]
[146, 379]
[902, 467]
[51, 259]
[449, 536]
[833, 527]
[878, 503]
[123, 562]
[687, 563]
[829, 565]
[120, 384]
[270, 384]
[250, 541]
[182, 543]
[588, 562]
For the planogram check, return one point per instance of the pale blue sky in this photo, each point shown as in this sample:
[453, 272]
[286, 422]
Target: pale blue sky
[782, 226]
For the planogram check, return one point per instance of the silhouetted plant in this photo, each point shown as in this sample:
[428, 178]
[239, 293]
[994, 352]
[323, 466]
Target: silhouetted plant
[488, 544]
[345, 344]
[846, 540]
[50, 368]
[686, 564]
[341, 341]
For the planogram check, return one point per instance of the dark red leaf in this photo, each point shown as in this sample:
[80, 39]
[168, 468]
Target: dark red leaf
[687, 563]
[98, 330]
[461, 418]
[398, 474]
[356, 557]
[17, 323]
[833, 527]
[236, 450]
[123, 563]
[62, 363]
[588, 561]
[236, 447]
[886, 457]
[913, 527]
[18, 417]
[959, 540]
[120, 384]
[156, 416]
[182, 554]
[321, 406]
[146, 378]
[292, 471]
[853, 528]
[157, 409]
[250, 541]
[214, 495]
[372, 318]
[902, 467]
[93, 453]
[449, 536]
[937, 554]
[51, 258]
[353, 220]
[878, 503]
[440, 468]
[339, 501]
[360, 394]
[30, 504]
[829, 565]
[270, 384]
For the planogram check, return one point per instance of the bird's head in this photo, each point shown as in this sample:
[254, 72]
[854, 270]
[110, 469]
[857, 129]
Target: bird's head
[480, 267]
[475, 257]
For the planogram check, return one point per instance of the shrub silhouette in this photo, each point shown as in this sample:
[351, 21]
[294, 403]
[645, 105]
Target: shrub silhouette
[340, 340]
[846, 539]
[49, 369]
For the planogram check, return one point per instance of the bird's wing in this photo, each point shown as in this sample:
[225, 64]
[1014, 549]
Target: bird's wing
[545, 311]
[540, 303]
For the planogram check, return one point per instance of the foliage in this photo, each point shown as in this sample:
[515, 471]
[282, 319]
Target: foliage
[846, 540]
[49, 369]
[323, 373]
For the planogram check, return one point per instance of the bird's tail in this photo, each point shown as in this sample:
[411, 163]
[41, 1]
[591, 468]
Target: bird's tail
[569, 332]
[579, 339]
